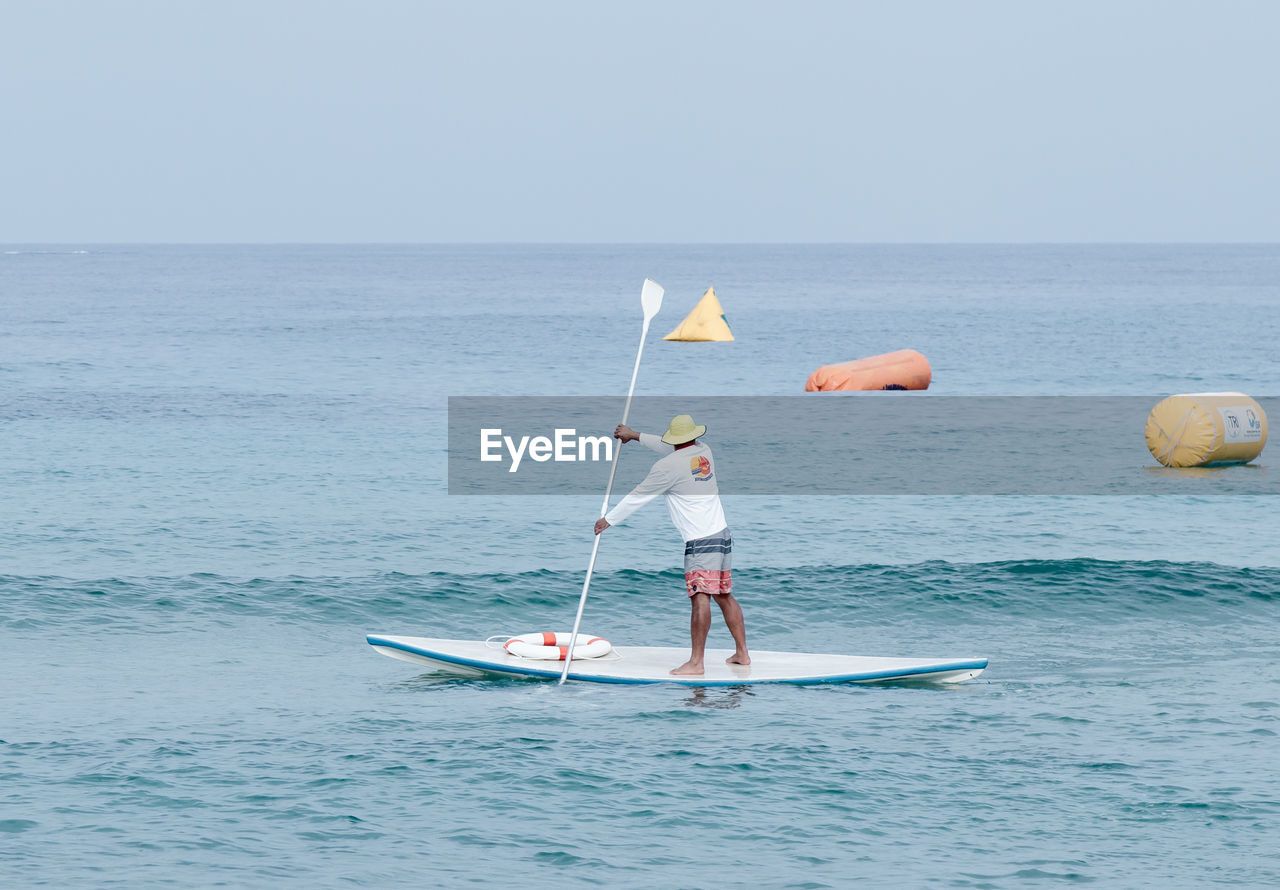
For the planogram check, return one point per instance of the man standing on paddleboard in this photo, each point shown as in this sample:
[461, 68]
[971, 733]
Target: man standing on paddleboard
[686, 474]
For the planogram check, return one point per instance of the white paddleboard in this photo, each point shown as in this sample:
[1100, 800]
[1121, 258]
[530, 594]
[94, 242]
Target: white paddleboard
[652, 664]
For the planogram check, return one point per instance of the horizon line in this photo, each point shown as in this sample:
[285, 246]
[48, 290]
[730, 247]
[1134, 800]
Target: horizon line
[1135, 243]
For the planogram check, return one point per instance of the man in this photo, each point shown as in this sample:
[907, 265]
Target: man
[687, 476]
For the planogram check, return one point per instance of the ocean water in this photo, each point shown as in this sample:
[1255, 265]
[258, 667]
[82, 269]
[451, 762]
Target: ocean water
[221, 466]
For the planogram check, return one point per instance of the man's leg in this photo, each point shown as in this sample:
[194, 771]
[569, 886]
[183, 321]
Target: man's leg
[699, 624]
[733, 618]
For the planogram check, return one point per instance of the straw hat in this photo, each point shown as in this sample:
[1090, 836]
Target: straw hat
[682, 430]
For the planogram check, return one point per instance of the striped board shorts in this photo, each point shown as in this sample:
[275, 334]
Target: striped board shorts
[707, 564]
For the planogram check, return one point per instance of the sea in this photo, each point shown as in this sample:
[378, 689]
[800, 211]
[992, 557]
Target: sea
[222, 466]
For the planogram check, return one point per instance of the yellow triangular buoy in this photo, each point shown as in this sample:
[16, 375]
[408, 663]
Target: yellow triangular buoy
[705, 322]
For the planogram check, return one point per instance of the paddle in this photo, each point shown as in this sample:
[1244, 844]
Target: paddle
[650, 302]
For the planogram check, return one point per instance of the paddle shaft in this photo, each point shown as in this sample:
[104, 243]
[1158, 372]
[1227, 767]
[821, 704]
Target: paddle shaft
[604, 508]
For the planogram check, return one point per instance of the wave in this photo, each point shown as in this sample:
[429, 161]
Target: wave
[1079, 589]
[45, 252]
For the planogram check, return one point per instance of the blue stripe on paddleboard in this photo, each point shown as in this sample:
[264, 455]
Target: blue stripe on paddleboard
[490, 668]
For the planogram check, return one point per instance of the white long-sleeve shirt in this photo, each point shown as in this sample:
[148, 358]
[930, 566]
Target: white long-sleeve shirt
[688, 478]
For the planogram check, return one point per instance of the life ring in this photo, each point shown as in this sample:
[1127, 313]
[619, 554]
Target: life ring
[554, 647]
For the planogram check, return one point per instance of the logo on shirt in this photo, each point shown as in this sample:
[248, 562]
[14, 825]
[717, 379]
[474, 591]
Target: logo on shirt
[700, 467]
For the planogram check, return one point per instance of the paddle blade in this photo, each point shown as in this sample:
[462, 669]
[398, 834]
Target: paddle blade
[651, 299]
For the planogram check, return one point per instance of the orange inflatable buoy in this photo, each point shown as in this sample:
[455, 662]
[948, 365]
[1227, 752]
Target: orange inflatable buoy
[904, 369]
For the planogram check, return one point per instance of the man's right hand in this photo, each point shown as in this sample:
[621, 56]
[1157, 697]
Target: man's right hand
[626, 433]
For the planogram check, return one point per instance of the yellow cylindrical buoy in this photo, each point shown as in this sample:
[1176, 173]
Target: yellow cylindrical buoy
[1206, 429]
[904, 369]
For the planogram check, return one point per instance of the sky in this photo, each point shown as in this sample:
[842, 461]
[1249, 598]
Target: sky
[669, 122]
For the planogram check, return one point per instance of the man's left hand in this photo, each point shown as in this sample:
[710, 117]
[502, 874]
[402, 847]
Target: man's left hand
[601, 524]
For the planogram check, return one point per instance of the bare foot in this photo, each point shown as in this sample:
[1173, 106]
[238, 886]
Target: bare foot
[738, 658]
[689, 668]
